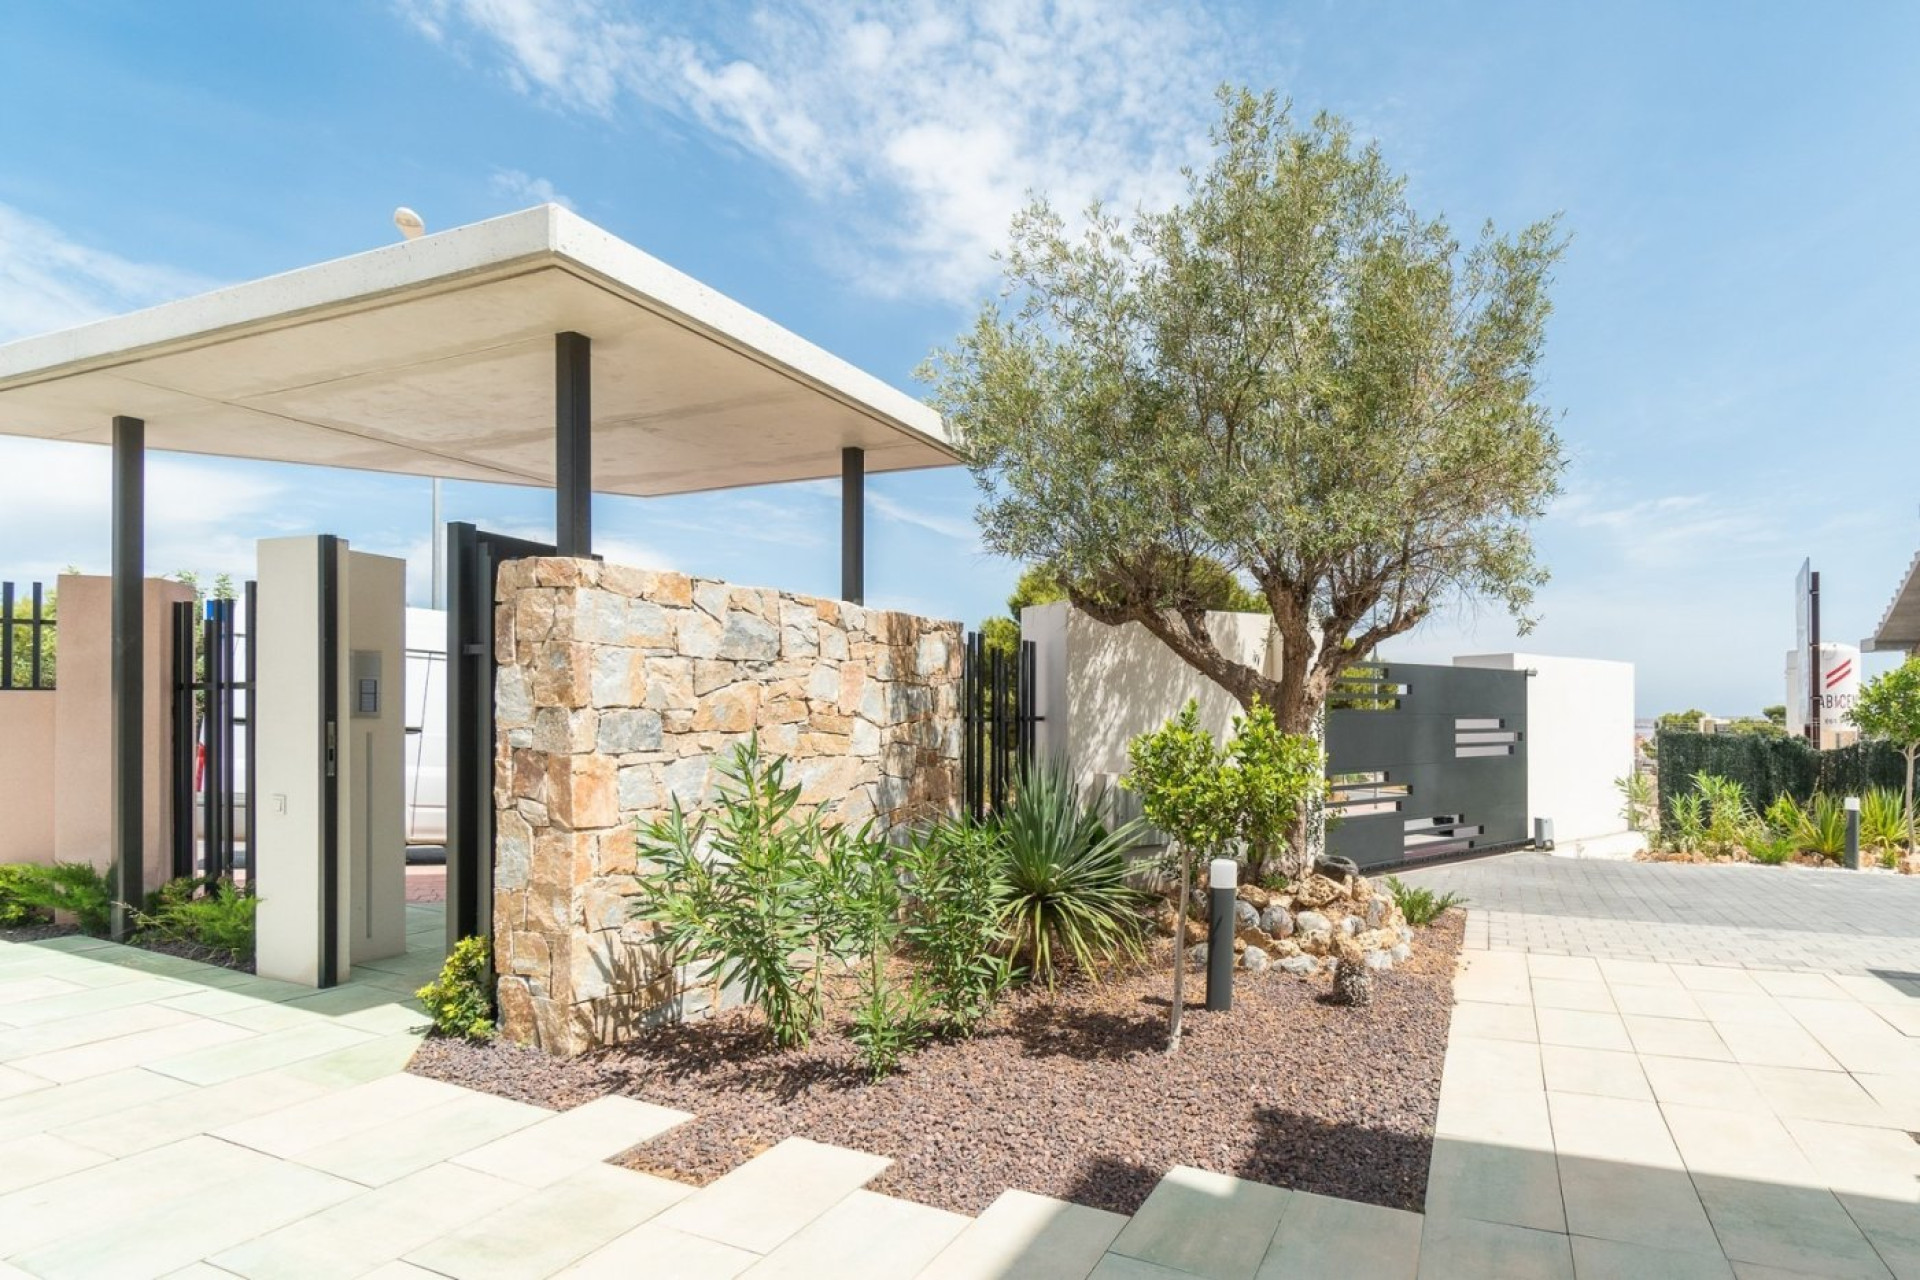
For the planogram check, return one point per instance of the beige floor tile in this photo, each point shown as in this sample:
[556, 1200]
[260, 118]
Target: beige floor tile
[1859, 1160]
[14, 1083]
[1465, 1249]
[1617, 1129]
[1817, 1095]
[1658, 1002]
[1815, 985]
[191, 1112]
[1518, 1120]
[339, 1114]
[1483, 1021]
[62, 1105]
[1022, 1234]
[1738, 1144]
[1602, 1071]
[1492, 1066]
[36, 1038]
[1869, 989]
[1322, 1236]
[1696, 977]
[1892, 1227]
[45, 1213]
[373, 1227]
[1616, 1260]
[542, 1154]
[1896, 1094]
[1583, 1029]
[770, 1197]
[140, 1049]
[1493, 988]
[1742, 1007]
[1205, 1223]
[1676, 1038]
[1636, 973]
[1565, 968]
[42, 1157]
[1794, 1228]
[415, 1142]
[263, 1052]
[1626, 1201]
[1701, 1082]
[1785, 1044]
[1904, 1018]
[1559, 993]
[661, 1253]
[1519, 1186]
[867, 1236]
[545, 1231]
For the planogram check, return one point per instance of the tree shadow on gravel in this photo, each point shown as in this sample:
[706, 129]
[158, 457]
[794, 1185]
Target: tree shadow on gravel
[1094, 1034]
[733, 1058]
[1350, 1162]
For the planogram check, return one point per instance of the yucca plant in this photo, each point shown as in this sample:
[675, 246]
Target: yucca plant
[1883, 818]
[1065, 893]
[1823, 828]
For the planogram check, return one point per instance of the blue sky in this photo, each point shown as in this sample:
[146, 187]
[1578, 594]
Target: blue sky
[1735, 347]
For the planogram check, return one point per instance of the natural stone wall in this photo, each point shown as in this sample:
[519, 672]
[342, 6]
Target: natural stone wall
[616, 690]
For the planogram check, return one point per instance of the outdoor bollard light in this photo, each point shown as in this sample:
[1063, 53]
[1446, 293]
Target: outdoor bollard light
[1223, 877]
[1853, 833]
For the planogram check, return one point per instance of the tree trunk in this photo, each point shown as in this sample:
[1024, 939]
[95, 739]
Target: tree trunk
[1179, 957]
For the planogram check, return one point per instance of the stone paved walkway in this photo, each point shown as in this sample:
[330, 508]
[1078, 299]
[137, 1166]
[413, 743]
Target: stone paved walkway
[1601, 1116]
[1804, 918]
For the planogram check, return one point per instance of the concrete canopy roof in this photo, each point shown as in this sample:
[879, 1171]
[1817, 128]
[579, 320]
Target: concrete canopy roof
[435, 357]
[1899, 627]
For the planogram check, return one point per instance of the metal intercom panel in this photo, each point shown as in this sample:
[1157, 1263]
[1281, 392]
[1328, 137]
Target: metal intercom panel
[364, 665]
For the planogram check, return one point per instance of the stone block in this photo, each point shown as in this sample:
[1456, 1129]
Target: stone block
[749, 638]
[625, 732]
[697, 635]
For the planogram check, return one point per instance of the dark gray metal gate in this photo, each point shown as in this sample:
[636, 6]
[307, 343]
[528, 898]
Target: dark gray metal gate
[1426, 762]
[474, 557]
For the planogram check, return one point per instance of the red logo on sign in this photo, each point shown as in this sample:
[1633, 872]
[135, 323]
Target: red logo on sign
[1839, 673]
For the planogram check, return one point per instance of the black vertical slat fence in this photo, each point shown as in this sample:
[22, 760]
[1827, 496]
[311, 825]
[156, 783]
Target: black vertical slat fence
[997, 709]
[26, 639]
[213, 743]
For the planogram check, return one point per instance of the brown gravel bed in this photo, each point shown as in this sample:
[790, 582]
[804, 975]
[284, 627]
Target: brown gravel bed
[1070, 1097]
[36, 932]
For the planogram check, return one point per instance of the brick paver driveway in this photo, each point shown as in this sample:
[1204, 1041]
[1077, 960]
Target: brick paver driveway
[1745, 916]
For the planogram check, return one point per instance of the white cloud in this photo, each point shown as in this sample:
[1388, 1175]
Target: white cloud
[524, 189]
[920, 126]
[963, 531]
[50, 281]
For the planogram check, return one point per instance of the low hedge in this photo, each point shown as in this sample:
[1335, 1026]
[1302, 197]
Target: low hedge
[1772, 766]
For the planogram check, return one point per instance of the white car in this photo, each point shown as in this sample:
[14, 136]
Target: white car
[426, 720]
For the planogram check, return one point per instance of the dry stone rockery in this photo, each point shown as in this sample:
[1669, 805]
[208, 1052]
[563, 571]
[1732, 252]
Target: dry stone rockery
[1304, 928]
[618, 691]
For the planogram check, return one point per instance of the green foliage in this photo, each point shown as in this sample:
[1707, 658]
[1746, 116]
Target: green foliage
[1272, 775]
[73, 887]
[1823, 828]
[1636, 800]
[1783, 817]
[1888, 709]
[1001, 635]
[953, 924]
[217, 915]
[1773, 849]
[889, 1023]
[23, 644]
[1291, 373]
[1774, 766]
[1687, 721]
[1066, 894]
[1730, 819]
[1890, 859]
[16, 909]
[460, 1000]
[1185, 792]
[1686, 825]
[866, 901]
[1420, 906]
[1762, 725]
[751, 888]
[1883, 817]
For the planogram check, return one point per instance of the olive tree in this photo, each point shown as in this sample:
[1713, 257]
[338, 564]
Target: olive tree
[1888, 708]
[1289, 372]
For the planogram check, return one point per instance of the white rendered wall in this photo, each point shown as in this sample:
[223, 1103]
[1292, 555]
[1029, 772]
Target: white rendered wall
[1579, 739]
[372, 789]
[1100, 686]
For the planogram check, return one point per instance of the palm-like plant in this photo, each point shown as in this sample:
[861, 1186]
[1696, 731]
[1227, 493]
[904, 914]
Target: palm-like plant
[1823, 828]
[1883, 818]
[1066, 894]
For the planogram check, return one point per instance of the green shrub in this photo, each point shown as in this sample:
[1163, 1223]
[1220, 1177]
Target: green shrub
[890, 1022]
[1823, 828]
[1783, 816]
[16, 909]
[1883, 818]
[1730, 819]
[1890, 858]
[1420, 906]
[73, 887]
[1066, 894]
[460, 1000]
[1772, 849]
[955, 885]
[219, 916]
[1636, 800]
[1686, 823]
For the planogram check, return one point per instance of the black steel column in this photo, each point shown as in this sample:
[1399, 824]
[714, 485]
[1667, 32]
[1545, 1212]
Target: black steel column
[573, 444]
[128, 659]
[853, 524]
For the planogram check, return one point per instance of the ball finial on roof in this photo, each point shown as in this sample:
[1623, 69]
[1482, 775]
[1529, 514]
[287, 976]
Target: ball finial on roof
[409, 223]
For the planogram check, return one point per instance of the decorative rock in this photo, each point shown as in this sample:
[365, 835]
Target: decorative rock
[1317, 891]
[1245, 916]
[1335, 868]
[1401, 953]
[1299, 966]
[1277, 920]
[1376, 912]
[1253, 893]
[1405, 932]
[1254, 960]
[1197, 955]
[1379, 960]
[1350, 925]
[1312, 922]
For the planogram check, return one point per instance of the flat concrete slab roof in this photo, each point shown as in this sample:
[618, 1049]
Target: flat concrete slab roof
[435, 357]
[1899, 628]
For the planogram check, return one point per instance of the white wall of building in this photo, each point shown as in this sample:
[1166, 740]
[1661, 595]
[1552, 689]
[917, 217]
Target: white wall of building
[1579, 739]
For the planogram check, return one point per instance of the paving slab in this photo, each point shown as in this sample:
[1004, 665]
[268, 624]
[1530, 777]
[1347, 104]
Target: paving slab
[1206, 1224]
[546, 1231]
[1466, 1249]
[1323, 1236]
[1495, 1183]
[545, 1152]
[866, 1236]
[761, 1204]
[420, 1140]
[1023, 1234]
[193, 1111]
[662, 1253]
